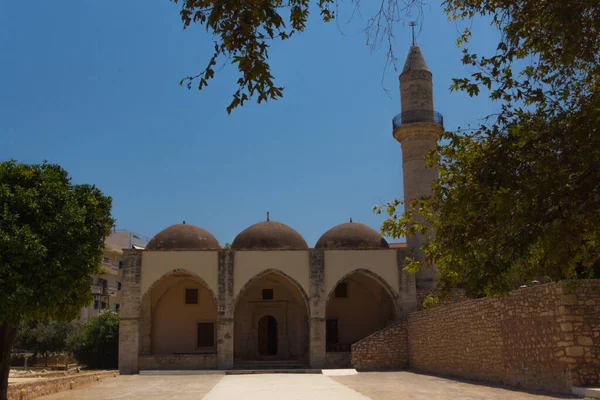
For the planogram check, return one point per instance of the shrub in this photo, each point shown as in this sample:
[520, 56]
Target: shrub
[96, 344]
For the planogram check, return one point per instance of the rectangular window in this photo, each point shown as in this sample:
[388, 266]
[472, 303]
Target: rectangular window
[191, 296]
[120, 264]
[118, 285]
[103, 305]
[206, 334]
[341, 291]
[96, 304]
[117, 307]
[331, 329]
[267, 294]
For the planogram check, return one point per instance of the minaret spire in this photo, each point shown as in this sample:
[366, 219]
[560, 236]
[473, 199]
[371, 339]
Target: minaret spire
[418, 128]
[412, 25]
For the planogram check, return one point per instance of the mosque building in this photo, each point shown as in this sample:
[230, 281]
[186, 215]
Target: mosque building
[271, 300]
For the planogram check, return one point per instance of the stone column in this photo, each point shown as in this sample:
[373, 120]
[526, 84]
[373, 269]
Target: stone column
[317, 303]
[226, 310]
[129, 325]
[408, 285]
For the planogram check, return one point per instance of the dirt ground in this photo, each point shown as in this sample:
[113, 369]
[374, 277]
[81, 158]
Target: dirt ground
[364, 386]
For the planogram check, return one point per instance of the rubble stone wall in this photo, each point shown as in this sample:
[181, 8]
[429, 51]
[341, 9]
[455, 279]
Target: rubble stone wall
[384, 349]
[542, 337]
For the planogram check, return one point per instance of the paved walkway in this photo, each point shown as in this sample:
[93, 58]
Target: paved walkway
[364, 386]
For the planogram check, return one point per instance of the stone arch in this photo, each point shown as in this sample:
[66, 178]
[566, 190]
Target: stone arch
[179, 271]
[369, 305]
[386, 286]
[280, 273]
[288, 305]
[146, 305]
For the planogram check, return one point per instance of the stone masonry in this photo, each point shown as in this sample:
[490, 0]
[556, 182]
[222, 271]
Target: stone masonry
[543, 337]
[385, 349]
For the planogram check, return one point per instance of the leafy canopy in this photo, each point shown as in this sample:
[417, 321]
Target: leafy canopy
[51, 241]
[243, 30]
[518, 196]
[96, 344]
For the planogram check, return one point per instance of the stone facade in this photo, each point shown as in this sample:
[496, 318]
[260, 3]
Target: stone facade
[386, 349]
[179, 362]
[543, 337]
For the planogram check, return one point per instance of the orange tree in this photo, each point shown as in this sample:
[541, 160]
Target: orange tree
[51, 241]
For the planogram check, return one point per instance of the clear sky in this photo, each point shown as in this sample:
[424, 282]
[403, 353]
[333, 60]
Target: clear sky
[94, 86]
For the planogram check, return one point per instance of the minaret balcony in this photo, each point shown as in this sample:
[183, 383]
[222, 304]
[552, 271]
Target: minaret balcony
[415, 116]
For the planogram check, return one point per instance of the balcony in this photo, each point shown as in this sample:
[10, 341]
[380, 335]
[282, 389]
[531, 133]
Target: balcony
[411, 117]
[111, 290]
[97, 289]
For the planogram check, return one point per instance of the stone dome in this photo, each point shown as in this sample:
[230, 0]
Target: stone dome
[351, 235]
[269, 235]
[183, 237]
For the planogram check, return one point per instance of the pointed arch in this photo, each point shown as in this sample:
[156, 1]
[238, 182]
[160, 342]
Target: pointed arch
[175, 272]
[265, 272]
[377, 278]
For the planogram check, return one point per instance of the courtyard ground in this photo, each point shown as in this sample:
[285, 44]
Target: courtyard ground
[364, 386]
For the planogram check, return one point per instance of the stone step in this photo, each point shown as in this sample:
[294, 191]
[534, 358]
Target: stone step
[272, 371]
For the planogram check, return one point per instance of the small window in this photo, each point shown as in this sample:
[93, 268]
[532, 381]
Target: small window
[118, 285]
[206, 334]
[120, 264]
[267, 294]
[117, 307]
[96, 304]
[341, 291]
[191, 296]
[103, 305]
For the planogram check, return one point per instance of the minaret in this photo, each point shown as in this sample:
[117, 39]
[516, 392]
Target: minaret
[418, 128]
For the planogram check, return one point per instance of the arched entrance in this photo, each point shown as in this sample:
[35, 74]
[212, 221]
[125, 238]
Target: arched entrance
[267, 336]
[358, 306]
[271, 321]
[178, 316]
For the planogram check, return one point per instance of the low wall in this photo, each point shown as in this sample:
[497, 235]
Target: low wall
[543, 337]
[385, 349]
[54, 385]
[178, 362]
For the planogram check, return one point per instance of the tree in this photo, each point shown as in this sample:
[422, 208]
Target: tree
[518, 196]
[51, 241]
[242, 33]
[43, 338]
[96, 344]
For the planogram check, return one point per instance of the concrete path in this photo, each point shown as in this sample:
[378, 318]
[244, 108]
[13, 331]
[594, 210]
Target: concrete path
[280, 387]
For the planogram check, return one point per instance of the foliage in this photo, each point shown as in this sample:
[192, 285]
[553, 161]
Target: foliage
[51, 241]
[243, 31]
[43, 337]
[430, 301]
[96, 344]
[518, 196]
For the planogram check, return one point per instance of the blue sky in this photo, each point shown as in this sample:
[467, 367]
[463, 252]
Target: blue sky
[94, 87]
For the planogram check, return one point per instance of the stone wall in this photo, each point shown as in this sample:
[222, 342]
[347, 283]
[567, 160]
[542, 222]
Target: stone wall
[448, 297]
[542, 337]
[385, 349]
[178, 362]
[31, 390]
